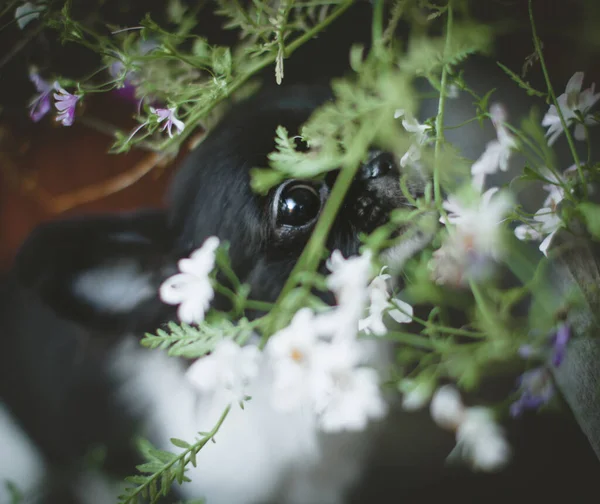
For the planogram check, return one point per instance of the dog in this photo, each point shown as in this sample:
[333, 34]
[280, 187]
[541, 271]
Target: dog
[77, 388]
[84, 290]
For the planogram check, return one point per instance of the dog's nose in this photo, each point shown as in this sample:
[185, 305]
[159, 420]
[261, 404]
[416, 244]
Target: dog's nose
[378, 165]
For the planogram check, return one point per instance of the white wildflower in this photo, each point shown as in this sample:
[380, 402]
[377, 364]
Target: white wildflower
[229, 370]
[191, 289]
[347, 396]
[292, 352]
[479, 440]
[546, 221]
[415, 393]
[573, 100]
[446, 408]
[323, 375]
[477, 226]
[497, 152]
[419, 131]
[348, 280]
[381, 302]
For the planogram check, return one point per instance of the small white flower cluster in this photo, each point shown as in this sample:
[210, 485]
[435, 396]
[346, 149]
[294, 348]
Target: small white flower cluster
[420, 134]
[571, 103]
[575, 105]
[497, 152]
[546, 221]
[475, 232]
[474, 240]
[479, 439]
[191, 289]
[317, 363]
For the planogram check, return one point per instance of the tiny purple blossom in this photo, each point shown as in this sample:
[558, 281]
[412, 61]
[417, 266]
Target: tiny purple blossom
[560, 341]
[127, 91]
[171, 120]
[65, 104]
[40, 105]
[537, 389]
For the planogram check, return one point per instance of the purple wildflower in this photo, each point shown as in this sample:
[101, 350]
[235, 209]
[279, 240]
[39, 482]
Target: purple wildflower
[537, 389]
[559, 342]
[127, 91]
[65, 104]
[40, 105]
[168, 115]
[131, 79]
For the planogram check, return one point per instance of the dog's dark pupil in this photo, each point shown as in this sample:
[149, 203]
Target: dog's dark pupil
[298, 206]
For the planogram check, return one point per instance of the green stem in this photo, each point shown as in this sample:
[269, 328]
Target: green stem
[439, 120]
[377, 25]
[444, 329]
[185, 455]
[490, 319]
[413, 340]
[538, 50]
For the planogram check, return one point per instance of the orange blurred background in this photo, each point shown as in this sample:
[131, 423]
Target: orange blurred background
[48, 171]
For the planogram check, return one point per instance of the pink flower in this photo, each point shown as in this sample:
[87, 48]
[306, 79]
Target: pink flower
[40, 105]
[65, 104]
[171, 120]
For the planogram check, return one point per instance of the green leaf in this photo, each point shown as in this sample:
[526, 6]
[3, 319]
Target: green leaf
[149, 467]
[137, 479]
[590, 213]
[180, 443]
[162, 455]
[221, 61]
[521, 83]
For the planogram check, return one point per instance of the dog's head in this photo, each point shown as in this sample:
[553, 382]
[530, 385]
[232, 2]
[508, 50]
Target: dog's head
[107, 270]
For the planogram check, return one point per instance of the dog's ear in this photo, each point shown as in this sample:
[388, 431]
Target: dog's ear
[102, 271]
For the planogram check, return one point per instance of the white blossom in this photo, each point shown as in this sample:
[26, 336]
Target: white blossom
[446, 408]
[228, 369]
[571, 101]
[474, 240]
[292, 352]
[497, 152]
[419, 131]
[323, 375]
[415, 393]
[546, 221]
[479, 440]
[381, 302]
[191, 289]
[347, 395]
[479, 223]
[348, 280]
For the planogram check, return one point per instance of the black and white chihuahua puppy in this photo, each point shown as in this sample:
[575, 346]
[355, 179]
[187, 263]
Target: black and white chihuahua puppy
[76, 387]
[73, 375]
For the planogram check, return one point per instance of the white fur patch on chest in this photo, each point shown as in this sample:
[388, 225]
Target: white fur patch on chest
[259, 455]
[21, 463]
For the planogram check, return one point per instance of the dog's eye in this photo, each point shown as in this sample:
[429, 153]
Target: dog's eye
[297, 205]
